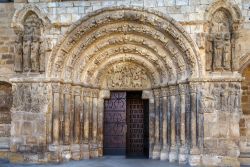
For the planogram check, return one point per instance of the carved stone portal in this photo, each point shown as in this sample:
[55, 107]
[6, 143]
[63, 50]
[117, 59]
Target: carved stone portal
[127, 75]
[29, 48]
[219, 43]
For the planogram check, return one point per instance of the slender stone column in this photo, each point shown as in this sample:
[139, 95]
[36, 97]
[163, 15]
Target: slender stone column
[67, 113]
[85, 145]
[75, 121]
[55, 113]
[173, 150]
[157, 147]
[77, 116]
[194, 158]
[94, 123]
[151, 127]
[183, 148]
[165, 147]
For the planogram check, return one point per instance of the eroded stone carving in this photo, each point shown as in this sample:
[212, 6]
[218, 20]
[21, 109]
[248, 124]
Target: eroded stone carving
[125, 75]
[5, 103]
[219, 43]
[29, 48]
[29, 97]
[221, 96]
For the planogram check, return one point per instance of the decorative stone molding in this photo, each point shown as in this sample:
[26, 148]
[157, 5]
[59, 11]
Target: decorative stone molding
[19, 16]
[66, 44]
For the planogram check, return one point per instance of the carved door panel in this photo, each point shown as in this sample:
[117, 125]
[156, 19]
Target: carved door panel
[115, 124]
[137, 134]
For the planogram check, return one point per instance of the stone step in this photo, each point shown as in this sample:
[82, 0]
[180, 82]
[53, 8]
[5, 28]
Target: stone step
[244, 158]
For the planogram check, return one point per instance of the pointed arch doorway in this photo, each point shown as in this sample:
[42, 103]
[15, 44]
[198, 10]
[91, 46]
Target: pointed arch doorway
[126, 128]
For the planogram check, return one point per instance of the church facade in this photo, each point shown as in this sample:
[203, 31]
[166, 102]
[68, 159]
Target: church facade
[161, 79]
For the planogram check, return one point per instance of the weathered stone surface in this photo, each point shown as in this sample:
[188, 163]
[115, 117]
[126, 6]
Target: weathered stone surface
[186, 65]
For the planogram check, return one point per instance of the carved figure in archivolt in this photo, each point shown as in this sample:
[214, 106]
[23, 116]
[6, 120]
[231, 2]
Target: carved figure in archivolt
[125, 75]
[219, 43]
[29, 48]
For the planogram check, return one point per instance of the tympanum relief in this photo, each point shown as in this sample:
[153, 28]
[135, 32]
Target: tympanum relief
[29, 48]
[126, 75]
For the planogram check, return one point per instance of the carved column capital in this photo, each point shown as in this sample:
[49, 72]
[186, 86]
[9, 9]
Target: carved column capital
[56, 87]
[157, 92]
[77, 90]
[67, 88]
[164, 92]
[172, 90]
[95, 93]
[193, 87]
[86, 92]
[182, 89]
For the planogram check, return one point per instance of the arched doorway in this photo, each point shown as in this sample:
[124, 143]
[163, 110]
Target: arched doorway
[126, 49]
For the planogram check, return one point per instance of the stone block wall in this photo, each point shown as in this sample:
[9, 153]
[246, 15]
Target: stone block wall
[7, 37]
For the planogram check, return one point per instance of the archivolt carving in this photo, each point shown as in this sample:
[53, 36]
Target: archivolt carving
[149, 25]
[244, 62]
[104, 33]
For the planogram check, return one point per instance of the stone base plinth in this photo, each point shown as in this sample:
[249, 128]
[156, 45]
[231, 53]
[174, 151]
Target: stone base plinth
[164, 154]
[173, 154]
[156, 152]
[182, 155]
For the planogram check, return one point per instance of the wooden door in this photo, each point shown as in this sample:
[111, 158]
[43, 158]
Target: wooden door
[137, 124]
[115, 124]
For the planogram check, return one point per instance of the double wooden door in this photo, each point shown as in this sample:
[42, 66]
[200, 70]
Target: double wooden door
[126, 125]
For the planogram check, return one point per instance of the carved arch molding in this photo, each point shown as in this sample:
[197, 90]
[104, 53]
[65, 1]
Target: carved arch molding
[127, 49]
[119, 49]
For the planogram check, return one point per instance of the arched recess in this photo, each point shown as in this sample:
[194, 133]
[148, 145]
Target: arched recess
[222, 31]
[153, 53]
[30, 24]
[6, 99]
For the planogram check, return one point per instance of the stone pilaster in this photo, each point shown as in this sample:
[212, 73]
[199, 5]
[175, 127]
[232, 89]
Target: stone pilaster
[165, 146]
[173, 147]
[183, 146]
[194, 157]
[157, 146]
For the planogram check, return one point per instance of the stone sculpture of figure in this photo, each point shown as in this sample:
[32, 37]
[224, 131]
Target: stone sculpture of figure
[26, 53]
[227, 52]
[218, 49]
[19, 53]
[34, 55]
[209, 52]
[29, 48]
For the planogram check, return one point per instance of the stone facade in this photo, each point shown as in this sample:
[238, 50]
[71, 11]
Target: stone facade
[188, 57]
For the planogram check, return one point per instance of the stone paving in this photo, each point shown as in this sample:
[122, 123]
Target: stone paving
[102, 162]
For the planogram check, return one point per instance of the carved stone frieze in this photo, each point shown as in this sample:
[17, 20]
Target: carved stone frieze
[127, 75]
[221, 96]
[30, 97]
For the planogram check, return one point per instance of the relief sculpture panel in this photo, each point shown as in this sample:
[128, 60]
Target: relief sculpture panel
[219, 43]
[127, 75]
[29, 48]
